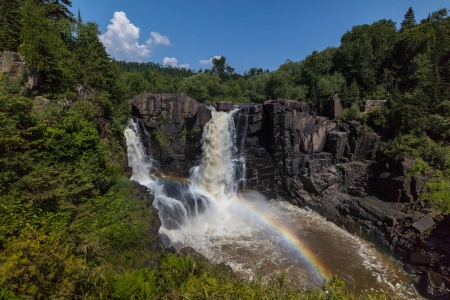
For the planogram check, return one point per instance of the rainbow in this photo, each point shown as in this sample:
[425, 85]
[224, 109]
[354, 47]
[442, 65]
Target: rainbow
[305, 253]
[308, 256]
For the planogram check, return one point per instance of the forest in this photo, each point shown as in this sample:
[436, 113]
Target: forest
[72, 225]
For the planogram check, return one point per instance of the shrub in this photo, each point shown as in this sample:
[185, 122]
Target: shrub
[351, 113]
[420, 166]
[437, 190]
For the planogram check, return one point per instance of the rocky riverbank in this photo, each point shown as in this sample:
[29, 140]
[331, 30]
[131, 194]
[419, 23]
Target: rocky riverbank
[310, 158]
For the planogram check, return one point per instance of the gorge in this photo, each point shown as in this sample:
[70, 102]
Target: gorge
[286, 151]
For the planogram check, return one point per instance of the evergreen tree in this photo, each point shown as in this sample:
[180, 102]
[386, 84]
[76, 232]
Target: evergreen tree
[57, 9]
[45, 49]
[409, 20]
[10, 23]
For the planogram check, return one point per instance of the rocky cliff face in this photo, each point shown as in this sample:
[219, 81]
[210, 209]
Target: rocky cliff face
[13, 65]
[309, 158]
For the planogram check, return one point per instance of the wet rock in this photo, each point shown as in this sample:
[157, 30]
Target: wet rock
[224, 106]
[420, 259]
[191, 252]
[436, 284]
[424, 223]
[203, 115]
[411, 269]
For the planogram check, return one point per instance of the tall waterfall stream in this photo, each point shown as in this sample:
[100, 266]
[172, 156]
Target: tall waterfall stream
[254, 235]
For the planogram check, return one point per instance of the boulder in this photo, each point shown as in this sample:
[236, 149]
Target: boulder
[420, 259]
[435, 284]
[12, 63]
[224, 106]
[424, 223]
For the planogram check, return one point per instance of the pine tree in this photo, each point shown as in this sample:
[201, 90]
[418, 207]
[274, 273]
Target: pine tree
[57, 10]
[10, 24]
[409, 20]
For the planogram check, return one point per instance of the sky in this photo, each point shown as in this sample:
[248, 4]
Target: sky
[249, 33]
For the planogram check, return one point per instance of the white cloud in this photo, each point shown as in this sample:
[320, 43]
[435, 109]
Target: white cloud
[208, 62]
[158, 39]
[170, 61]
[121, 40]
[173, 62]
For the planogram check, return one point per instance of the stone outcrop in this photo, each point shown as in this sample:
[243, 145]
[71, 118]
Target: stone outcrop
[309, 158]
[396, 185]
[13, 65]
[330, 108]
[372, 105]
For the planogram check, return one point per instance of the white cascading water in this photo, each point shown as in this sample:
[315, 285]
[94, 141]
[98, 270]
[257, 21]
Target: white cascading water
[210, 216]
[216, 172]
[140, 163]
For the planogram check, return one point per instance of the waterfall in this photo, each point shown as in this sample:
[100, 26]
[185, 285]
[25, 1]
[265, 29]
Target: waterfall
[239, 157]
[138, 161]
[213, 183]
[243, 229]
[216, 172]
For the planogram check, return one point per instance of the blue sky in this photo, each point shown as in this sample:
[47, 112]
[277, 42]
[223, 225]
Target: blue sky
[261, 34]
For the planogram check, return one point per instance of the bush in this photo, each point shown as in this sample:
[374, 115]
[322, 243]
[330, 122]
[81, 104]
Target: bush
[436, 155]
[377, 117]
[351, 113]
[186, 277]
[420, 166]
[437, 190]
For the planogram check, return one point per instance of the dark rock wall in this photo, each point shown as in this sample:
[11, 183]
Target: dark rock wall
[285, 141]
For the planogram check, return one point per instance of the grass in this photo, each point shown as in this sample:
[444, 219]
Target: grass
[186, 277]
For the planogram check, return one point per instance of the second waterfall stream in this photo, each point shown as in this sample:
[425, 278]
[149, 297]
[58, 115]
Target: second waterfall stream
[253, 235]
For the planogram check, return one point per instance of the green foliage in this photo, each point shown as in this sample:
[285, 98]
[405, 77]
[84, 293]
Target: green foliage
[222, 68]
[434, 154]
[113, 221]
[7, 294]
[10, 24]
[409, 20]
[419, 168]
[255, 87]
[376, 118]
[196, 278]
[351, 113]
[437, 190]
[184, 133]
[161, 120]
[202, 86]
[163, 138]
[42, 44]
